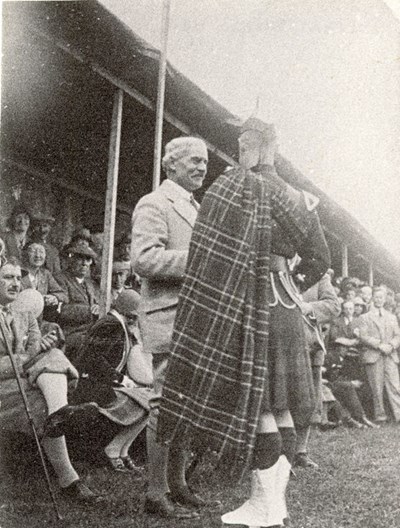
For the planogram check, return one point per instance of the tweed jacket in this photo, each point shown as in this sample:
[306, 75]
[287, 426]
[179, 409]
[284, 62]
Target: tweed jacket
[374, 330]
[326, 307]
[46, 284]
[26, 343]
[80, 298]
[162, 225]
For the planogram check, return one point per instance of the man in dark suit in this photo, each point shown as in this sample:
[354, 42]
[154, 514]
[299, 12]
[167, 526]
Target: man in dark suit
[162, 225]
[81, 308]
[380, 335]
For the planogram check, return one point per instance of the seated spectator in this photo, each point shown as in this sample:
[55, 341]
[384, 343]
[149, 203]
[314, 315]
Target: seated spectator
[79, 236]
[350, 293]
[346, 392]
[116, 374]
[122, 249]
[380, 336]
[366, 296]
[359, 307]
[342, 339]
[41, 279]
[390, 303]
[41, 228]
[45, 374]
[81, 308]
[120, 273]
[16, 238]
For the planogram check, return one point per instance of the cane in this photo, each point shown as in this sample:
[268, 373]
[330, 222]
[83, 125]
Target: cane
[30, 420]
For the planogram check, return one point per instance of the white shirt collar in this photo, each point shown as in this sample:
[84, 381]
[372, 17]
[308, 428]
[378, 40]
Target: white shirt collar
[183, 192]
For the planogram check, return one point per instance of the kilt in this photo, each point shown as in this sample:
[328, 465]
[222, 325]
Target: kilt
[290, 382]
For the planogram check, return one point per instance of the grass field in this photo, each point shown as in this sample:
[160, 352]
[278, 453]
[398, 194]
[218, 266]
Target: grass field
[357, 486]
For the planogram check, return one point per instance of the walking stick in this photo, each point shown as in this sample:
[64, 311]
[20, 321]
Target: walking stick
[30, 420]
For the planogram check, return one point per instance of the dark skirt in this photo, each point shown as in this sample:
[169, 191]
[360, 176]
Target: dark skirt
[290, 382]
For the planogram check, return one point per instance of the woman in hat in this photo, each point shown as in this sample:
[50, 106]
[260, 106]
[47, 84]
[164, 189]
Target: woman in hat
[117, 375]
[18, 224]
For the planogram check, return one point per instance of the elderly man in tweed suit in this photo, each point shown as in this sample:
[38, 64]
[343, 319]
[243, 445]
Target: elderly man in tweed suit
[161, 229]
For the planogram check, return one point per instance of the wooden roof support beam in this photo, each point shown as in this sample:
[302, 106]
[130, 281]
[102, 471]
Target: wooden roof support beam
[345, 260]
[111, 204]
[57, 181]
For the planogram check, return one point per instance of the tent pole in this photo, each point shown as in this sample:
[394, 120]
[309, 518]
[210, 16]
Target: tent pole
[161, 94]
[111, 204]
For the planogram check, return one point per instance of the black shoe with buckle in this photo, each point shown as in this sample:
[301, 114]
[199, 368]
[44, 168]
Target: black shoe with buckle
[56, 423]
[164, 507]
[78, 491]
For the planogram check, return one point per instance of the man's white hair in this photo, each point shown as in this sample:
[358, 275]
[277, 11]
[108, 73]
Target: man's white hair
[177, 148]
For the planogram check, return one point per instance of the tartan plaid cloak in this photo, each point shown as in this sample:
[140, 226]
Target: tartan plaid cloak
[218, 370]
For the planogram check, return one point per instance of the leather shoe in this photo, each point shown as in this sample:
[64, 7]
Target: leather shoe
[368, 423]
[354, 424]
[185, 496]
[80, 492]
[304, 461]
[56, 423]
[164, 507]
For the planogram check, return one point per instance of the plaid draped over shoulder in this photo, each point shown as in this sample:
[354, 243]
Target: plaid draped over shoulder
[218, 365]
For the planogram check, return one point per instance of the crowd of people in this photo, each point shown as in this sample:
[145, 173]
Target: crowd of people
[228, 332]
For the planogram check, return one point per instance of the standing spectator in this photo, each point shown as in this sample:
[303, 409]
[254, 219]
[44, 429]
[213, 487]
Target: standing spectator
[380, 335]
[16, 238]
[41, 227]
[162, 225]
[81, 307]
[366, 296]
[321, 305]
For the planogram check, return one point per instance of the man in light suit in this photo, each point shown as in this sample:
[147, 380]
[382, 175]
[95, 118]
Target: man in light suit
[162, 225]
[380, 335]
[44, 374]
